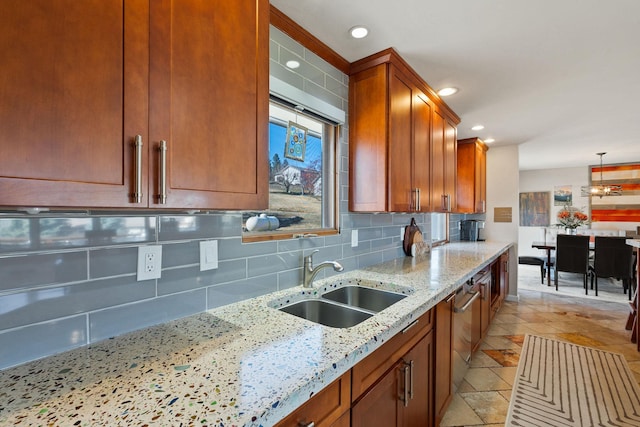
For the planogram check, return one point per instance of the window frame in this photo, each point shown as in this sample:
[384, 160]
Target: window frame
[330, 172]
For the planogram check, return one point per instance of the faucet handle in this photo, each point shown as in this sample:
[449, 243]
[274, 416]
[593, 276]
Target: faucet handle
[310, 256]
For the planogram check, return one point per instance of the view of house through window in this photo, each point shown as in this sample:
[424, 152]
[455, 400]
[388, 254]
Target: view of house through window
[301, 171]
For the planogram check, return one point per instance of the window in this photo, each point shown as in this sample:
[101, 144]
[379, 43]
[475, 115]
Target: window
[301, 177]
[438, 228]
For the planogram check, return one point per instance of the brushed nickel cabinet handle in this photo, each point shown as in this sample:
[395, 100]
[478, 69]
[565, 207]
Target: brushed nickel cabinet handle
[411, 379]
[417, 199]
[162, 179]
[137, 193]
[446, 202]
[311, 424]
[405, 398]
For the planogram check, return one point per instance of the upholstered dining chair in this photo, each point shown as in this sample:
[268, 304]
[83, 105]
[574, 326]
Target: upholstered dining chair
[613, 258]
[572, 256]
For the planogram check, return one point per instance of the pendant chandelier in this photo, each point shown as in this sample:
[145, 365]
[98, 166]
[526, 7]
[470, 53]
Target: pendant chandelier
[601, 189]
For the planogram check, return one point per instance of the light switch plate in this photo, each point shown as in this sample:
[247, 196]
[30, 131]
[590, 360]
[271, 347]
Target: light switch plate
[208, 255]
[354, 238]
[149, 262]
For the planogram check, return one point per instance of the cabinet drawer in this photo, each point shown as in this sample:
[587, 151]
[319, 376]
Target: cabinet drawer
[325, 408]
[368, 371]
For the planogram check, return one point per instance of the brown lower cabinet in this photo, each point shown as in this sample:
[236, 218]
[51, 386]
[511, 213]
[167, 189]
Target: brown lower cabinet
[402, 397]
[443, 363]
[328, 408]
[408, 380]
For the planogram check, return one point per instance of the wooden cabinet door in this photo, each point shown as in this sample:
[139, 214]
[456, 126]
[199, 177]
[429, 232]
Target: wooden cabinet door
[418, 410]
[69, 112]
[209, 102]
[471, 176]
[368, 140]
[327, 408]
[438, 196]
[504, 275]
[450, 150]
[481, 178]
[443, 350]
[400, 142]
[422, 111]
[485, 308]
[381, 406]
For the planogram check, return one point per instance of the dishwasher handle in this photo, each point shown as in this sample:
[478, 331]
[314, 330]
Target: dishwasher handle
[466, 305]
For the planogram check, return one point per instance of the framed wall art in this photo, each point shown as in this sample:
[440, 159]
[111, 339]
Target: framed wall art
[562, 195]
[535, 209]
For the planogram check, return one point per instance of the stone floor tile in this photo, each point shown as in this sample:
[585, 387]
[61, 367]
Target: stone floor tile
[589, 322]
[490, 406]
[505, 357]
[460, 414]
[498, 342]
[482, 360]
[484, 379]
[507, 373]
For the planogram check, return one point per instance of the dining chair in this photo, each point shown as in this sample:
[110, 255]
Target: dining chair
[613, 258]
[572, 256]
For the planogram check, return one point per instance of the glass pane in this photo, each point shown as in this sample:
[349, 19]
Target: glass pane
[299, 153]
[438, 227]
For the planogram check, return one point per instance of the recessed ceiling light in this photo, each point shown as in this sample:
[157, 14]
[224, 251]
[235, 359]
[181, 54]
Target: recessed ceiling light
[477, 127]
[447, 91]
[292, 64]
[358, 32]
[489, 140]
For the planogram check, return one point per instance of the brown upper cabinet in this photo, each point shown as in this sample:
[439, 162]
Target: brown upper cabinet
[113, 104]
[472, 176]
[443, 152]
[391, 111]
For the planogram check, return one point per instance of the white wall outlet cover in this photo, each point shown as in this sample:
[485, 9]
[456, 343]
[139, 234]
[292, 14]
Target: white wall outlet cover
[354, 238]
[402, 234]
[208, 255]
[149, 262]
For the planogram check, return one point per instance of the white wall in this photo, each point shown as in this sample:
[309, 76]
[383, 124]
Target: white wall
[546, 180]
[502, 192]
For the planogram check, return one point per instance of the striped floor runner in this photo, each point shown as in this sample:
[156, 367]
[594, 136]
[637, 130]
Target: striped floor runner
[563, 384]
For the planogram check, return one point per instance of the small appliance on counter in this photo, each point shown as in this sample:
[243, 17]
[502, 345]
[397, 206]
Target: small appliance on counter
[471, 230]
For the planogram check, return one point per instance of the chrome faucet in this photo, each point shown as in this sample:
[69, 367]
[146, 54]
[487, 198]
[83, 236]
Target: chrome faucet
[309, 271]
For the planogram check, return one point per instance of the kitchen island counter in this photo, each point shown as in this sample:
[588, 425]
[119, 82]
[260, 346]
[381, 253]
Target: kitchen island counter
[242, 364]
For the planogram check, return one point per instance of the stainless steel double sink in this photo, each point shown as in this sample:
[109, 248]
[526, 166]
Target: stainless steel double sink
[344, 307]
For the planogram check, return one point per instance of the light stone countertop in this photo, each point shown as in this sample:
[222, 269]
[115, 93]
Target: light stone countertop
[244, 364]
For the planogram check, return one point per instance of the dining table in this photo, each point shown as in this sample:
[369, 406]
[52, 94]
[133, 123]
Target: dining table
[547, 246]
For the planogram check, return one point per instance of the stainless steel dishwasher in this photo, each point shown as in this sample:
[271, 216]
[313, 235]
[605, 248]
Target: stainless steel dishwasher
[462, 324]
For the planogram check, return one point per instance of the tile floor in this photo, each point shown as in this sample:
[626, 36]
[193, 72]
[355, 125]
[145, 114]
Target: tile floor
[483, 397]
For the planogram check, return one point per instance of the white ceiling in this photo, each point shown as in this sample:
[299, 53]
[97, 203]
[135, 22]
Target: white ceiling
[560, 78]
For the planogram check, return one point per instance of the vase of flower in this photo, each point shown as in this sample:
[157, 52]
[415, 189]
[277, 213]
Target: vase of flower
[570, 218]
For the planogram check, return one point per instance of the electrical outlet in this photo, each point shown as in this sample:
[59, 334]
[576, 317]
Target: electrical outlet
[149, 262]
[354, 238]
[402, 234]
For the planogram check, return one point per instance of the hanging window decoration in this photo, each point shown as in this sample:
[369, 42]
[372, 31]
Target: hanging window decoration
[296, 142]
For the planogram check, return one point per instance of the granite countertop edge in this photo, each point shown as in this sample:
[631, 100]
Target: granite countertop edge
[244, 364]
